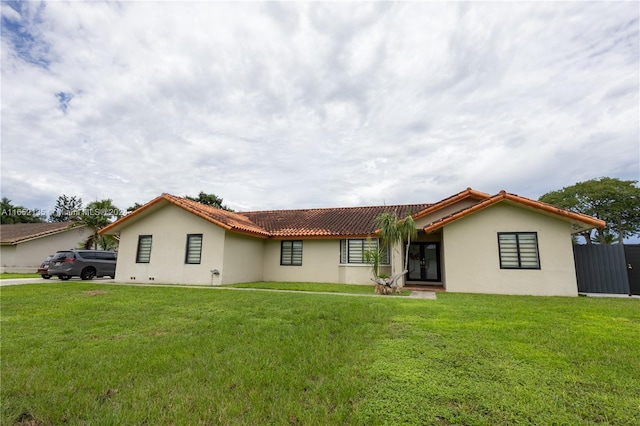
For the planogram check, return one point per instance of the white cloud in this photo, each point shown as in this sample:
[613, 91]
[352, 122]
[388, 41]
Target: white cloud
[9, 13]
[287, 105]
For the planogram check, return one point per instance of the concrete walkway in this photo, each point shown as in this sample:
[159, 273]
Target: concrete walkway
[19, 281]
[412, 295]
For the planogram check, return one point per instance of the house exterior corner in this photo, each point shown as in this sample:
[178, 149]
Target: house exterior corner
[168, 230]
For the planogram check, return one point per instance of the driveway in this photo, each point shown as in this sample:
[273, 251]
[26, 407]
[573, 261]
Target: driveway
[19, 281]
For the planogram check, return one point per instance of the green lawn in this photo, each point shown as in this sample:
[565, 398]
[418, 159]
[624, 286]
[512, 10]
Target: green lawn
[315, 287]
[12, 275]
[86, 353]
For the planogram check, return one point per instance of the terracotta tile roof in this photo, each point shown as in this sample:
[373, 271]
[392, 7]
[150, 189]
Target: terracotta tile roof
[310, 223]
[327, 222]
[15, 233]
[227, 220]
[580, 221]
[467, 193]
[339, 222]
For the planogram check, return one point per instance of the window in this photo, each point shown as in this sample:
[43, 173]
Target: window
[352, 251]
[143, 255]
[88, 254]
[291, 253]
[194, 249]
[518, 250]
[105, 255]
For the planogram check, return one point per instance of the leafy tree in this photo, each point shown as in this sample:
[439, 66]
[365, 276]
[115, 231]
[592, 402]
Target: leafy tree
[96, 215]
[134, 207]
[615, 201]
[107, 242]
[66, 209]
[11, 214]
[210, 200]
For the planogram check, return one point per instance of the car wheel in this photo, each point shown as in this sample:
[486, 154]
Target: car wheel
[88, 273]
[64, 277]
[46, 277]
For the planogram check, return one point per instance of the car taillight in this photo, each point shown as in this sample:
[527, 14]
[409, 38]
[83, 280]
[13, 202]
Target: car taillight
[69, 259]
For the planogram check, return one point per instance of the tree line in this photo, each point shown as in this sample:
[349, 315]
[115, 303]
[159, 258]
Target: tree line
[71, 208]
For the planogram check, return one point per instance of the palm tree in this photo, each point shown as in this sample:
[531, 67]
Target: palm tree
[393, 231]
[96, 215]
[407, 228]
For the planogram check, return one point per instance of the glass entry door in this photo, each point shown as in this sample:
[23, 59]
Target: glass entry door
[424, 262]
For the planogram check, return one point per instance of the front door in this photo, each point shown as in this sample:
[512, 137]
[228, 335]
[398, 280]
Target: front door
[424, 262]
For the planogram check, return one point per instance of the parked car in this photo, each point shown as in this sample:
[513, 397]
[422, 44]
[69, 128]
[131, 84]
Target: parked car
[43, 270]
[85, 264]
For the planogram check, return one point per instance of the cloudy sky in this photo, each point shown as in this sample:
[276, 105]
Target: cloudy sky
[293, 105]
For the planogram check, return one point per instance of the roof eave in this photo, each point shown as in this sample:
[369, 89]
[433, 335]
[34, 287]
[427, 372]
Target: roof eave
[246, 232]
[114, 227]
[575, 219]
[578, 218]
[467, 193]
[41, 235]
[170, 199]
[215, 221]
[322, 237]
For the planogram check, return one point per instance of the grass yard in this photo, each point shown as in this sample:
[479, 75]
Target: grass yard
[85, 353]
[315, 287]
[13, 275]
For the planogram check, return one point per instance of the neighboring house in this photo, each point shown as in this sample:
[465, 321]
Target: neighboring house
[25, 245]
[470, 242]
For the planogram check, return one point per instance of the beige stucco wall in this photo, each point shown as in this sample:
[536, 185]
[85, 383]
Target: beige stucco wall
[238, 258]
[169, 227]
[243, 259]
[471, 258]
[27, 256]
[320, 263]
[7, 256]
[359, 274]
[320, 260]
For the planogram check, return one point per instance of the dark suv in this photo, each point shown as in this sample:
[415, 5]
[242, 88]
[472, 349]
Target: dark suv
[85, 264]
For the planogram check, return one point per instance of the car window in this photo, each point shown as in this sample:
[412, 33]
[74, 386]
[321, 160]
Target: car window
[62, 255]
[87, 254]
[105, 255]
